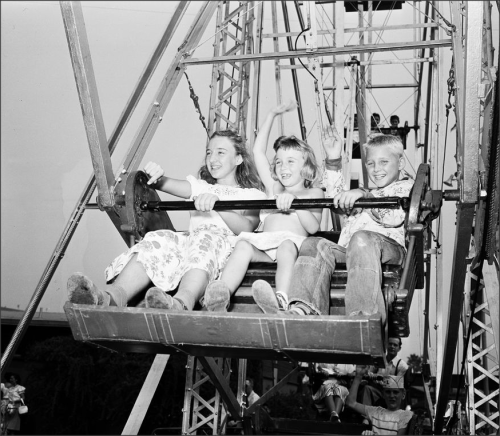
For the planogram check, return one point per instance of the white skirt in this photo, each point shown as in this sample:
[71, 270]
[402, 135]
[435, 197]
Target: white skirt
[268, 242]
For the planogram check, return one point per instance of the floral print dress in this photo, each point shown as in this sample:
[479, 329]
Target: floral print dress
[166, 255]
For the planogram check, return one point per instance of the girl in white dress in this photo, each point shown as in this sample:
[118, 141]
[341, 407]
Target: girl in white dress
[168, 260]
[292, 174]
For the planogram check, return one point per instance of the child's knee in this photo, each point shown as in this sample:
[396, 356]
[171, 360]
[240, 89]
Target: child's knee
[287, 248]
[361, 241]
[243, 248]
[310, 247]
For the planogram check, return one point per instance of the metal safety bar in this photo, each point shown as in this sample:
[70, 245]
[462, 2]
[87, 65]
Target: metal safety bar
[304, 203]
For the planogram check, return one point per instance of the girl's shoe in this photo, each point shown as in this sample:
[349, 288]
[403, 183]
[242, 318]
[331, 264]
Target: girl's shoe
[265, 297]
[217, 296]
[334, 417]
[156, 298]
[81, 290]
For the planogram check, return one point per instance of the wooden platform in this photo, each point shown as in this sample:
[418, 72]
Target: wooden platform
[335, 339]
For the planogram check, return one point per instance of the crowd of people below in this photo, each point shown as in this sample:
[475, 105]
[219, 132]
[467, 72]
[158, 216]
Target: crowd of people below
[204, 266]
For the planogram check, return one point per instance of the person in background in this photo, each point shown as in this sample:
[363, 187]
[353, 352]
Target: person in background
[14, 393]
[330, 387]
[394, 121]
[390, 420]
[251, 396]
[371, 392]
[3, 405]
[375, 121]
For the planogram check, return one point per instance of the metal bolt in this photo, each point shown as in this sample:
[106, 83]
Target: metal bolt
[159, 119]
[119, 179]
[156, 104]
[123, 192]
[124, 171]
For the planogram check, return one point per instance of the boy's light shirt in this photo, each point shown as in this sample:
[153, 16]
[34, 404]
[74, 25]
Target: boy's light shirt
[391, 221]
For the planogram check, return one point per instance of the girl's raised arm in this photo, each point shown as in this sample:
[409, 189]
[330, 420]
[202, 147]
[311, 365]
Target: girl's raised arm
[179, 188]
[260, 145]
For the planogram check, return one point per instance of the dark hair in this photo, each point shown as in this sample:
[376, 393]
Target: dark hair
[8, 375]
[310, 170]
[393, 336]
[393, 117]
[246, 173]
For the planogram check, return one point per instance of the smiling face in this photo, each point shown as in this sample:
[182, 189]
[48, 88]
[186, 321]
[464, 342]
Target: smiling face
[383, 165]
[222, 160]
[289, 164]
[393, 398]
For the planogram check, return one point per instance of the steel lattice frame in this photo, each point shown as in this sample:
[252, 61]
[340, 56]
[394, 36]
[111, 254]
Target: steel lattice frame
[202, 402]
[482, 362]
[230, 80]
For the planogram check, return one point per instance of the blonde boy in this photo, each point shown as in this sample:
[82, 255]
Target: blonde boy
[369, 238]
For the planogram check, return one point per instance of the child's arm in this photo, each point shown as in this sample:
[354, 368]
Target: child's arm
[260, 145]
[238, 221]
[332, 143]
[309, 218]
[353, 391]
[241, 220]
[333, 180]
[179, 188]
[345, 199]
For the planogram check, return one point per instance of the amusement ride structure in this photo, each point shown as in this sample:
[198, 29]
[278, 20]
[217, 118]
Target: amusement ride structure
[449, 59]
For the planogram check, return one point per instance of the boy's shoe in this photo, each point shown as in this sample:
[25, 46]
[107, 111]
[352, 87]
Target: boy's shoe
[156, 298]
[265, 297]
[282, 300]
[217, 296]
[81, 290]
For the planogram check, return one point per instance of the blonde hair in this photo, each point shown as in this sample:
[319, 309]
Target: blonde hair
[310, 170]
[392, 142]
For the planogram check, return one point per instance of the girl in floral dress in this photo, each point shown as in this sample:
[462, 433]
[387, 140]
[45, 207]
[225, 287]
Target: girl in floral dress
[168, 260]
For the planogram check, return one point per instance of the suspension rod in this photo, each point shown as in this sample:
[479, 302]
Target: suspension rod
[305, 203]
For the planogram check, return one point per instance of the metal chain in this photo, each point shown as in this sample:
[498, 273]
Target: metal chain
[195, 99]
[452, 87]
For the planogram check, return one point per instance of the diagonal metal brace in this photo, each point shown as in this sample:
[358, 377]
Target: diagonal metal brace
[221, 384]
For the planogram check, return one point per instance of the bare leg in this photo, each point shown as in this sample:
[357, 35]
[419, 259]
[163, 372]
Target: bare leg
[132, 280]
[218, 293]
[237, 264]
[339, 404]
[286, 256]
[192, 287]
[330, 404]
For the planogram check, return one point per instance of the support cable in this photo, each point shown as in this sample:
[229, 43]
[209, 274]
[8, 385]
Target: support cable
[196, 103]
[449, 105]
